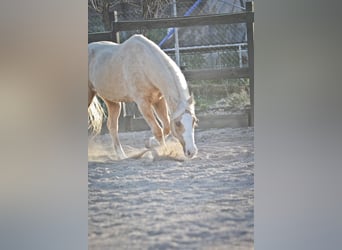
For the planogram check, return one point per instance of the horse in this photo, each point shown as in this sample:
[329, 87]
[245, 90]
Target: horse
[139, 71]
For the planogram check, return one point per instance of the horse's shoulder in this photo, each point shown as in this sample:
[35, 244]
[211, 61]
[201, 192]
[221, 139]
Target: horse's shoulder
[138, 42]
[138, 38]
[101, 49]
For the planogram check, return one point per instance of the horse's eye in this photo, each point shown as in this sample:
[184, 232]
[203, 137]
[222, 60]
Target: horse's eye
[178, 123]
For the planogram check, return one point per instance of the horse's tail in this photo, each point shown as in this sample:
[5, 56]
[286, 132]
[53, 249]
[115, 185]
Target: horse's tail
[95, 116]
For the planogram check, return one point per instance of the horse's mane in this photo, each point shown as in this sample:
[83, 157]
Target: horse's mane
[181, 89]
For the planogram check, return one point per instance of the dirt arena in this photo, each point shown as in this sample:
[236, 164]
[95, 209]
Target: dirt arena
[162, 201]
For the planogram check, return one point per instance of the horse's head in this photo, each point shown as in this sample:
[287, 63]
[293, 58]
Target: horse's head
[183, 125]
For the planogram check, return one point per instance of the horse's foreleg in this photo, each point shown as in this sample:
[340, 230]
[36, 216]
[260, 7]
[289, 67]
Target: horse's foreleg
[147, 112]
[114, 109]
[162, 112]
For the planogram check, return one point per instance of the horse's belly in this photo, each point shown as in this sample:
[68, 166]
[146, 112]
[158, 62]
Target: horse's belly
[111, 86]
[116, 86]
[114, 93]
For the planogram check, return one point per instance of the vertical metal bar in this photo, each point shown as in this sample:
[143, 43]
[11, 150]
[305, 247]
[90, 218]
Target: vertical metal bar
[240, 56]
[250, 44]
[176, 35]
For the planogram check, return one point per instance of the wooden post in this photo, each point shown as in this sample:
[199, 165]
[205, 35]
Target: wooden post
[115, 33]
[250, 42]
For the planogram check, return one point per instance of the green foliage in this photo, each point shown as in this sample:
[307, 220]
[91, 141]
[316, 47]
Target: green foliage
[227, 93]
[238, 100]
[203, 103]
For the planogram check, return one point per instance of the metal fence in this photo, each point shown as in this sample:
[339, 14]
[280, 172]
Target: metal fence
[197, 42]
[215, 57]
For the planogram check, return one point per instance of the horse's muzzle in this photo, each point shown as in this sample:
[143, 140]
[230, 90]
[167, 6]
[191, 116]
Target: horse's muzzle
[190, 153]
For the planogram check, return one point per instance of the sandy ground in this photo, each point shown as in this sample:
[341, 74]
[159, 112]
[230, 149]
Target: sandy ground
[161, 201]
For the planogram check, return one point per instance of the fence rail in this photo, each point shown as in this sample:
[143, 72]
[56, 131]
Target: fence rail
[100, 36]
[216, 74]
[245, 17]
[207, 47]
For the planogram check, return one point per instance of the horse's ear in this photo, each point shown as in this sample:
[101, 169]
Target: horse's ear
[191, 99]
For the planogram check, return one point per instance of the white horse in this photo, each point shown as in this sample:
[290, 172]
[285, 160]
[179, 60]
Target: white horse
[138, 70]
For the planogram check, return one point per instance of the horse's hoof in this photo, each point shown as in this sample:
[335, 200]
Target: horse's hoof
[123, 157]
[120, 155]
[151, 142]
[148, 143]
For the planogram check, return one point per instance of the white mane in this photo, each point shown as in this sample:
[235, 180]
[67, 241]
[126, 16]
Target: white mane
[174, 87]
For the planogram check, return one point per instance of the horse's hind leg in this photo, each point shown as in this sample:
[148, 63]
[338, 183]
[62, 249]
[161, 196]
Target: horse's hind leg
[114, 109]
[161, 111]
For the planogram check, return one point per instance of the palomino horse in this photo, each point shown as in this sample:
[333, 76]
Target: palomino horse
[138, 70]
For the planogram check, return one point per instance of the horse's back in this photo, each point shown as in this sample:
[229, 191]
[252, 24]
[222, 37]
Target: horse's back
[127, 47]
[116, 70]
[128, 71]
[100, 49]
[136, 49]
[101, 44]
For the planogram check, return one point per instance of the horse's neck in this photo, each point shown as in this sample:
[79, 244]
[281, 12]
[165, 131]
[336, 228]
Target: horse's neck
[176, 97]
[175, 89]
[171, 81]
